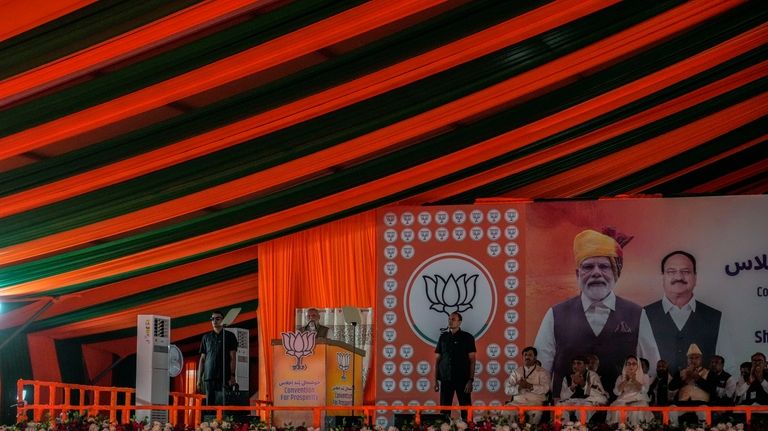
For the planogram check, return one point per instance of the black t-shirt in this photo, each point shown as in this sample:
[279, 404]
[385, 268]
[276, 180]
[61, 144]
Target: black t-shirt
[211, 345]
[454, 350]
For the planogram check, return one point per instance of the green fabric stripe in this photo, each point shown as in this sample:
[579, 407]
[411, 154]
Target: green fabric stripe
[627, 140]
[262, 206]
[310, 136]
[178, 322]
[700, 153]
[170, 63]
[161, 292]
[735, 187]
[715, 170]
[142, 271]
[426, 36]
[80, 29]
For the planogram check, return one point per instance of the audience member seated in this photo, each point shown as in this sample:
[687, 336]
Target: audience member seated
[528, 386]
[753, 389]
[631, 389]
[725, 388]
[694, 384]
[593, 363]
[645, 365]
[725, 383]
[581, 388]
[659, 391]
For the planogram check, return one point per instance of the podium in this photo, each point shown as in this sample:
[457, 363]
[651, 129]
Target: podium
[310, 372]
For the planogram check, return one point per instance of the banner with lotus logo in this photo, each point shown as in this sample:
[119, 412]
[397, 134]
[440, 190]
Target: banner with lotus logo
[436, 261]
[503, 265]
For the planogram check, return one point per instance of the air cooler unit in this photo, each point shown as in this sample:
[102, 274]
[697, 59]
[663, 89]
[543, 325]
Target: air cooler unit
[243, 352]
[153, 336]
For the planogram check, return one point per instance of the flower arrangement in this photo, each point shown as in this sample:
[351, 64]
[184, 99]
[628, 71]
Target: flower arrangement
[90, 423]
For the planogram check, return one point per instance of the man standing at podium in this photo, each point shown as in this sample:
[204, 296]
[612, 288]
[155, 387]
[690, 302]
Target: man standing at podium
[455, 365]
[210, 376]
[313, 324]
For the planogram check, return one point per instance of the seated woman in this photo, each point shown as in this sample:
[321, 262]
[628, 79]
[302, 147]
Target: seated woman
[632, 390]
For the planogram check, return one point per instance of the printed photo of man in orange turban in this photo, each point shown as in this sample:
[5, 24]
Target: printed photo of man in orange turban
[596, 321]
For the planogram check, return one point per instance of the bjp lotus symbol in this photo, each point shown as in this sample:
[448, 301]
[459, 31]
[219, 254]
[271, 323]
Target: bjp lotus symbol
[452, 294]
[299, 344]
[342, 358]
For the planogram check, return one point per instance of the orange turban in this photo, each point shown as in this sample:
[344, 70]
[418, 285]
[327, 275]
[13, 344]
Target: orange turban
[590, 243]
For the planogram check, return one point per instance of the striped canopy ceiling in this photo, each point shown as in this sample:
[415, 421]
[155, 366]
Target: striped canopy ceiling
[147, 147]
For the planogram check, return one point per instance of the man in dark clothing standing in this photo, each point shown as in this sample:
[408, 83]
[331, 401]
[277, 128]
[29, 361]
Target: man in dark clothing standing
[210, 376]
[455, 365]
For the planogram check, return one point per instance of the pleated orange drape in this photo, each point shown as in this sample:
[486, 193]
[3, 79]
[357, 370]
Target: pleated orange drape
[328, 266]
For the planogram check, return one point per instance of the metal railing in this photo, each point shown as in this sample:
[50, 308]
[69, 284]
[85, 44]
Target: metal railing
[190, 408]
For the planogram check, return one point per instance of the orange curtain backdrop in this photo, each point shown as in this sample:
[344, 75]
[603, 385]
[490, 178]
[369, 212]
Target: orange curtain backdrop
[328, 266]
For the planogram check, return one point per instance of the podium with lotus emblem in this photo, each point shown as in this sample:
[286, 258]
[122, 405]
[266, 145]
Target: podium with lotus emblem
[309, 371]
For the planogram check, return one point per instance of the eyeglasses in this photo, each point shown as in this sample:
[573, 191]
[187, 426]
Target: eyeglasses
[215, 319]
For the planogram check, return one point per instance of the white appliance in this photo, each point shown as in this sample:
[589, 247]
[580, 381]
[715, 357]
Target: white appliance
[153, 336]
[243, 357]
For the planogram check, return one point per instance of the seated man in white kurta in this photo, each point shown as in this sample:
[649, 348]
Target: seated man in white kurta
[581, 388]
[528, 386]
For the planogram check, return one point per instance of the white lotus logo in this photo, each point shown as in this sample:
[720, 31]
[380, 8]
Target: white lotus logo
[452, 294]
[446, 283]
[342, 359]
[299, 344]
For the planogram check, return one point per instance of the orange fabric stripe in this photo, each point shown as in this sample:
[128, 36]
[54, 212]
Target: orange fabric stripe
[731, 178]
[593, 56]
[19, 16]
[138, 284]
[241, 289]
[19, 316]
[694, 166]
[353, 22]
[135, 42]
[430, 63]
[594, 174]
[757, 186]
[594, 108]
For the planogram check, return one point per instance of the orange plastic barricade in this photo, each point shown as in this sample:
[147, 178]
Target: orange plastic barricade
[55, 399]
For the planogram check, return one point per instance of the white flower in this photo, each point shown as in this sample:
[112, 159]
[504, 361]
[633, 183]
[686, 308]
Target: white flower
[461, 425]
[445, 426]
